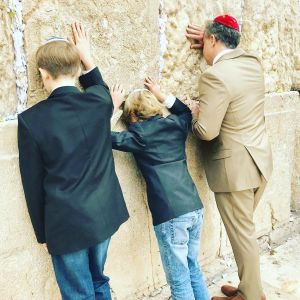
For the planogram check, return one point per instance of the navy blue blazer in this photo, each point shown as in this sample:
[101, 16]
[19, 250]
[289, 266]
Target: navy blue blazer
[158, 145]
[71, 188]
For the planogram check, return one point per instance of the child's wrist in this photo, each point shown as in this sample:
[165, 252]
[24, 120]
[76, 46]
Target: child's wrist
[88, 63]
[161, 97]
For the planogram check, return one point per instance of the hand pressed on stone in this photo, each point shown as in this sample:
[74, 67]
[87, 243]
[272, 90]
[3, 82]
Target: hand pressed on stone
[118, 96]
[81, 40]
[195, 35]
[151, 85]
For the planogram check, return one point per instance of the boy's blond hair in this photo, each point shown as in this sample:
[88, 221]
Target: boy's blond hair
[59, 58]
[143, 104]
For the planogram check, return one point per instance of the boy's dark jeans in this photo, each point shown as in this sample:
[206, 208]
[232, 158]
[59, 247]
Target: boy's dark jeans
[80, 274]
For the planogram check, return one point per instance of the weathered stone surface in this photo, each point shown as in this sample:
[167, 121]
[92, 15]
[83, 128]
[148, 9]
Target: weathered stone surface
[296, 173]
[124, 37]
[273, 38]
[279, 271]
[296, 72]
[182, 67]
[125, 43]
[133, 261]
[210, 241]
[22, 260]
[8, 145]
[127, 252]
[280, 120]
[270, 31]
[8, 98]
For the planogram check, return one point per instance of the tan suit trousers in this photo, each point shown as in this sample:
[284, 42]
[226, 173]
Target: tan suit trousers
[236, 210]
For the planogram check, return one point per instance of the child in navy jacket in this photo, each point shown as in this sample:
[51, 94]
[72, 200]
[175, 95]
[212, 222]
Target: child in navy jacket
[158, 145]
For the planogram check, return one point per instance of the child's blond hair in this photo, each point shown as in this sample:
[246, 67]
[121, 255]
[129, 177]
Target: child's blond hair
[143, 104]
[59, 58]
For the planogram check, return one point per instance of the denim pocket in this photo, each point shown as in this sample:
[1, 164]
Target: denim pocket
[179, 231]
[195, 230]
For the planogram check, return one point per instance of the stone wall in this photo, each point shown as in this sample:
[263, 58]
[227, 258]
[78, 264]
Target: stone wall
[269, 29]
[132, 39]
[8, 96]
[296, 173]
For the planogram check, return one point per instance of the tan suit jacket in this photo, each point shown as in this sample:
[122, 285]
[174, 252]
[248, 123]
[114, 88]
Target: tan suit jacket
[232, 123]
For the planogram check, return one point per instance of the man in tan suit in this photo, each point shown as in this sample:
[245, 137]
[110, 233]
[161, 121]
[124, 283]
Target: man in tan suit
[229, 118]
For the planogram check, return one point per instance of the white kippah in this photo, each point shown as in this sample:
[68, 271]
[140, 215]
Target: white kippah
[55, 39]
[138, 90]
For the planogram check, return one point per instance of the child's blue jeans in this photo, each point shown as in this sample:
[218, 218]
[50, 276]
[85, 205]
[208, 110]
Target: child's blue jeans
[80, 274]
[179, 245]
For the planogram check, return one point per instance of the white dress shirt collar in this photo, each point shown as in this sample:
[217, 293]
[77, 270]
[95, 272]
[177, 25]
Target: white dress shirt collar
[63, 83]
[70, 82]
[221, 53]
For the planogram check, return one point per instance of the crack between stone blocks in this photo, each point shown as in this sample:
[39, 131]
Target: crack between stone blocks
[14, 9]
[221, 234]
[163, 48]
[163, 19]
[273, 219]
[33, 10]
[149, 225]
[151, 252]
[242, 13]
[279, 112]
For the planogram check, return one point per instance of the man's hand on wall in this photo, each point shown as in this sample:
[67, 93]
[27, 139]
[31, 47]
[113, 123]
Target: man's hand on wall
[195, 35]
[81, 40]
[118, 96]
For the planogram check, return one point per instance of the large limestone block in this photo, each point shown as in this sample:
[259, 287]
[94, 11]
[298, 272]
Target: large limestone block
[8, 98]
[296, 73]
[210, 239]
[280, 122]
[8, 145]
[296, 172]
[124, 36]
[269, 29]
[133, 261]
[26, 272]
[24, 261]
[182, 67]
[130, 249]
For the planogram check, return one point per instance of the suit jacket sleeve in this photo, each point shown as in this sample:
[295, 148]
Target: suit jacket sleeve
[32, 174]
[92, 78]
[92, 82]
[127, 141]
[184, 114]
[214, 101]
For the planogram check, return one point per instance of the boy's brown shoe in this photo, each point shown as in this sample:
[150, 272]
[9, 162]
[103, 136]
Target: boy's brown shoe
[229, 290]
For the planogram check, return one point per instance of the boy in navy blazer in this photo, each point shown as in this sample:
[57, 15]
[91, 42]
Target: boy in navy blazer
[73, 195]
[158, 145]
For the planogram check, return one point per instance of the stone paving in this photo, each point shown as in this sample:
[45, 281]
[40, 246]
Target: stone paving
[280, 268]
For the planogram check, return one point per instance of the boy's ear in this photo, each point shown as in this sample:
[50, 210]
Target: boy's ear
[133, 117]
[45, 74]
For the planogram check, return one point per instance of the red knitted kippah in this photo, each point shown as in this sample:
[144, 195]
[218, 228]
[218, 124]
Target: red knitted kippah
[228, 21]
